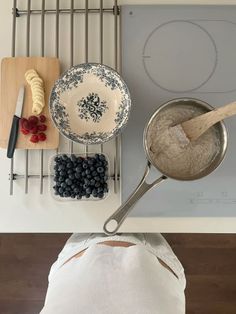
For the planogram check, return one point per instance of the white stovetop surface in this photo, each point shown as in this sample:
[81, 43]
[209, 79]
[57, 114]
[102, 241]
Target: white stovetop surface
[41, 213]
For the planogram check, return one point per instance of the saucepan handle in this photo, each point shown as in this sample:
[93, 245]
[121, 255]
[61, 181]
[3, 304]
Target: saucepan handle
[120, 214]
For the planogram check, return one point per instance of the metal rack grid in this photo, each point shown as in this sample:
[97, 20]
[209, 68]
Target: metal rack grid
[30, 12]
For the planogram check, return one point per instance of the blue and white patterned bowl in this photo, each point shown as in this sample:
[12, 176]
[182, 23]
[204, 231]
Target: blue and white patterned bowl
[90, 103]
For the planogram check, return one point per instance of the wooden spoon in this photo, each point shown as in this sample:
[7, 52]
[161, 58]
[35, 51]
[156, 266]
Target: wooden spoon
[192, 129]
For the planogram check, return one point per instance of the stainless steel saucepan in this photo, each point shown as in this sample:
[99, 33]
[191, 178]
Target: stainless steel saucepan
[113, 223]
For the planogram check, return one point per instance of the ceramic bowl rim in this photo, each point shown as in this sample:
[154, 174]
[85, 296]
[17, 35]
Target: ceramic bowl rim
[112, 134]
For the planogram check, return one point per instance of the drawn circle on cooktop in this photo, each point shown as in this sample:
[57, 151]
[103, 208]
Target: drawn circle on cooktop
[180, 56]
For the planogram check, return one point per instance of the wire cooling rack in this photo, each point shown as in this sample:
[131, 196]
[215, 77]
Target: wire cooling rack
[94, 20]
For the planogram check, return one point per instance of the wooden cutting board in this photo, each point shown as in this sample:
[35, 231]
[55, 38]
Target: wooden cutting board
[12, 77]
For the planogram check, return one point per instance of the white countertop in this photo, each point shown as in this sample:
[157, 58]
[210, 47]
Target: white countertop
[41, 213]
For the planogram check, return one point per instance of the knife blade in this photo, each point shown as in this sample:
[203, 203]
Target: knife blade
[15, 123]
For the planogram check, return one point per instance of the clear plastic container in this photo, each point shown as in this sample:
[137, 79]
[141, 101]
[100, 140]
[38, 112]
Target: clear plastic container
[64, 199]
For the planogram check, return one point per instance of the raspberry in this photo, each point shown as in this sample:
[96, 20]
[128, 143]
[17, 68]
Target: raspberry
[42, 137]
[25, 132]
[25, 124]
[42, 118]
[34, 130]
[42, 127]
[34, 138]
[33, 120]
[22, 121]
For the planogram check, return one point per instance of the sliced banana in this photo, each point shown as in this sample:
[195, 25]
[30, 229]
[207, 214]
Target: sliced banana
[37, 90]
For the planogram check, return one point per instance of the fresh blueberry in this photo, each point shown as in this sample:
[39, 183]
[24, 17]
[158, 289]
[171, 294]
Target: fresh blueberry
[83, 174]
[68, 181]
[61, 167]
[85, 186]
[76, 190]
[69, 165]
[100, 189]
[72, 195]
[89, 176]
[77, 175]
[102, 157]
[97, 184]
[71, 176]
[60, 179]
[73, 157]
[79, 160]
[60, 190]
[92, 182]
[64, 157]
[97, 178]
[90, 161]
[85, 165]
[100, 169]
[78, 169]
[66, 194]
[94, 173]
[87, 171]
[87, 195]
[88, 190]
[100, 195]
[86, 181]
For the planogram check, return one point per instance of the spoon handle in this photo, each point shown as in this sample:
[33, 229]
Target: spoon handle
[224, 112]
[197, 126]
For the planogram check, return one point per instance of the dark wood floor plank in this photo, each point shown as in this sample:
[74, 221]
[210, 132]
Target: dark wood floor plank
[201, 240]
[211, 308]
[20, 307]
[207, 261]
[211, 288]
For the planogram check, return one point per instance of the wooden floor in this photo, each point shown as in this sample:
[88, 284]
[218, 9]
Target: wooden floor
[209, 261]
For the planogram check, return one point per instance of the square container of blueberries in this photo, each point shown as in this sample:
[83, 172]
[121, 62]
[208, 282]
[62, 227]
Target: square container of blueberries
[81, 177]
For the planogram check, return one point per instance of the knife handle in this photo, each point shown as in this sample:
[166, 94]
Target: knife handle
[13, 136]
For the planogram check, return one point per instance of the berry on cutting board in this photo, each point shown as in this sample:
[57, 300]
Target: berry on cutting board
[42, 137]
[42, 118]
[34, 130]
[25, 132]
[42, 127]
[75, 176]
[25, 124]
[33, 120]
[34, 138]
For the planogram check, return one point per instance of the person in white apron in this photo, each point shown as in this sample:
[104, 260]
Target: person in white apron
[121, 274]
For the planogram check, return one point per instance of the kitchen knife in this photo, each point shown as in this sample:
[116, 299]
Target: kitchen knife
[15, 123]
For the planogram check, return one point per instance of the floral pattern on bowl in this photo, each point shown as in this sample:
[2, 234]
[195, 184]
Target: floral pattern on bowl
[90, 103]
